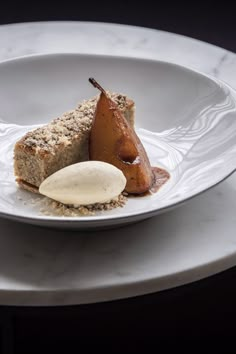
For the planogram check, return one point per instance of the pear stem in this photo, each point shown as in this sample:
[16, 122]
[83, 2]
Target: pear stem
[96, 85]
[112, 104]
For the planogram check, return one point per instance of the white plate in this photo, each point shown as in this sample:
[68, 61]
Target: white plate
[186, 121]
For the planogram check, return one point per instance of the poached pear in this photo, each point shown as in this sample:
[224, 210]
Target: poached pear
[113, 140]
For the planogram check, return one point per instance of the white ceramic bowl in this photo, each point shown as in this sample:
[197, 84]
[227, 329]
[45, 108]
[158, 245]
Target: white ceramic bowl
[186, 121]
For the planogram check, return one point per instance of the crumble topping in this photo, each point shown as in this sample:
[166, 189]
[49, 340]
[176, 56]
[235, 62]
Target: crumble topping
[62, 129]
[52, 207]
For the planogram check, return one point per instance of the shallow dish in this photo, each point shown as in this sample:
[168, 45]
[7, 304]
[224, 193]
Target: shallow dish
[186, 121]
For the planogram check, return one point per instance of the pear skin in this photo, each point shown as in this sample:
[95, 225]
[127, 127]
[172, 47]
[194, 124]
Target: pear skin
[113, 140]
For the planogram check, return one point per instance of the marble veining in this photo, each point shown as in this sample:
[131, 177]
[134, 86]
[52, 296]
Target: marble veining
[53, 267]
[27, 38]
[216, 70]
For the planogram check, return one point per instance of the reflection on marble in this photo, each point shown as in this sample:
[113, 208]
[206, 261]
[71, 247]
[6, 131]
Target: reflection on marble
[53, 267]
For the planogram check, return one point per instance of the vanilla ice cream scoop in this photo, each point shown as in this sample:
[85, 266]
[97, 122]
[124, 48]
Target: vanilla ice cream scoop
[84, 183]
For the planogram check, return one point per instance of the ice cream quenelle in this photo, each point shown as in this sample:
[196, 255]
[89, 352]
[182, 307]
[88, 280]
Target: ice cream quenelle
[84, 183]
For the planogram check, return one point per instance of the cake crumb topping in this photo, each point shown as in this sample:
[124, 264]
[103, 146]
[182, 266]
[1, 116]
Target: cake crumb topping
[62, 129]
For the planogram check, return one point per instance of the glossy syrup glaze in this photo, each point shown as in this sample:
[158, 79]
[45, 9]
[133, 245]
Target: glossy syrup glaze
[160, 177]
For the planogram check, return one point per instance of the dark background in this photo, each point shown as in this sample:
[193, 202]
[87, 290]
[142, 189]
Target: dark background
[183, 317]
[210, 21]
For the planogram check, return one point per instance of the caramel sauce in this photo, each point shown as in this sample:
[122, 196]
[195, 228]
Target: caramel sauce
[160, 177]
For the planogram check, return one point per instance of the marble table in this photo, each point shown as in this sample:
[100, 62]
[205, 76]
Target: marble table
[51, 267]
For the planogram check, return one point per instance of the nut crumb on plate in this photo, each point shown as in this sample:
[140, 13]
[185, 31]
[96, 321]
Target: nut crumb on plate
[54, 208]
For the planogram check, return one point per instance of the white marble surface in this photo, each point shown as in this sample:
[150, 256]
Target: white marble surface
[50, 267]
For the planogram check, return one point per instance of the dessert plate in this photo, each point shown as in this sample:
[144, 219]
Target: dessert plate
[186, 121]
